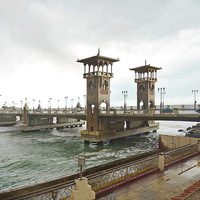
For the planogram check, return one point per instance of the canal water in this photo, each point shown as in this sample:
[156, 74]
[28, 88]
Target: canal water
[33, 157]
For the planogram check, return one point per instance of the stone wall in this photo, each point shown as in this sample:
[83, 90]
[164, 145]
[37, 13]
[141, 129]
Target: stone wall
[172, 142]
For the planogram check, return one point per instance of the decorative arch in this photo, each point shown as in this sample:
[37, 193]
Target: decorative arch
[141, 88]
[151, 104]
[103, 104]
[105, 85]
[142, 104]
[152, 87]
[91, 85]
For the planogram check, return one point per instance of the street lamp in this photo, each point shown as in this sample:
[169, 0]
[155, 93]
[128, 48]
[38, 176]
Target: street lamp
[125, 93]
[50, 104]
[66, 102]
[195, 102]
[21, 104]
[162, 93]
[72, 104]
[33, 105]
[58, 104]
[81, 164]
[84, 96]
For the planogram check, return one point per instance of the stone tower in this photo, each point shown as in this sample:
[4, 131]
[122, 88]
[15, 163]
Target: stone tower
[97, 71]
[145, 77]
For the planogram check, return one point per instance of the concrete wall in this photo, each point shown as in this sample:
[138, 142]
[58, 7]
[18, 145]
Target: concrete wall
[65, 120]
[116, 126]
[40, 121]
[7, 118]
[134, 124]
[172, 142]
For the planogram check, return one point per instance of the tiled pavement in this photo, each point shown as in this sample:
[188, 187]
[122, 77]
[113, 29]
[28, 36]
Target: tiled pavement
[162, 185]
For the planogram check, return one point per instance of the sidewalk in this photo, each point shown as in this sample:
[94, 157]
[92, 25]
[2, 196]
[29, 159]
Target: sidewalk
[162, 185]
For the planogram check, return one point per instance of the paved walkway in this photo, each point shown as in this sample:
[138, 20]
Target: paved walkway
[162, 185]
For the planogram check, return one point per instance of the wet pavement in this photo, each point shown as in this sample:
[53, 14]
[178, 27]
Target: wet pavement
[162, 185]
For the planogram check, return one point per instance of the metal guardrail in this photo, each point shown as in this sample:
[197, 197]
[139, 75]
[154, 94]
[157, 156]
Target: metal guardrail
[109, 177]
[180, 152]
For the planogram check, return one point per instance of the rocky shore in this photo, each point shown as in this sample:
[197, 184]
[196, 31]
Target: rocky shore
[193, 131]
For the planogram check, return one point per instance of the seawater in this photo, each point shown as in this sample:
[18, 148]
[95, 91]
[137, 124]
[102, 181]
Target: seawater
[33, 157]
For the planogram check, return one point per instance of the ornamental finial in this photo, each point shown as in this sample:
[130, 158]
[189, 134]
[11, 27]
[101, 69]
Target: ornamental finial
[98, 52]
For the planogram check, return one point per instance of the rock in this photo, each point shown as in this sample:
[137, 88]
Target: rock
[189, 128]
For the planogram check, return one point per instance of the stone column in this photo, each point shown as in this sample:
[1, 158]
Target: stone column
[83, 190]
[161, 162]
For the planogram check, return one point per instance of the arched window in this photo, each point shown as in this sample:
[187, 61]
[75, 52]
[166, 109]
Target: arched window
[91, 85]
[105, 85]
[152, 87]
[92, 108]
[141, 88]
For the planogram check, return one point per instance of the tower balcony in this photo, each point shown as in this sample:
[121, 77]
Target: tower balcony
[98, 73]
[137, 80]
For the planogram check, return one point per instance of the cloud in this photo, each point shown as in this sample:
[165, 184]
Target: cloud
[41, 41]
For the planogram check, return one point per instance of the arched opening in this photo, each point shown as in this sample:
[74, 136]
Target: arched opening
[151, 104]
[152, 87]
[104, 106]
[92, 106]
[91, 85]
[142, 104]
[141, 88]
[105, 85]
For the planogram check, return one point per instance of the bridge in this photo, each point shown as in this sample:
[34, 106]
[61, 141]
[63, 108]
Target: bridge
[104, 123]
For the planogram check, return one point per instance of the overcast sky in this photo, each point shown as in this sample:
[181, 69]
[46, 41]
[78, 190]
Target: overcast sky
[41, 40]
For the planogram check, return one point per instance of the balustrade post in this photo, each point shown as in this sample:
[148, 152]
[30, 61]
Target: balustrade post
[161, 162]
[115, 112]
[176, 112]
[152, 111]
[131, 111]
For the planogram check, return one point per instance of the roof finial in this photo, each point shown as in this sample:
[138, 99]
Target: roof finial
[145, 62]
[98, 52]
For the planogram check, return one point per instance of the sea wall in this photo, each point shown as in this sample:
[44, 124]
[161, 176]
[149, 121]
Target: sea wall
[172, 142]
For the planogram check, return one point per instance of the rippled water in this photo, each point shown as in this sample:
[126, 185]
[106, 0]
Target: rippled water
[27, 158]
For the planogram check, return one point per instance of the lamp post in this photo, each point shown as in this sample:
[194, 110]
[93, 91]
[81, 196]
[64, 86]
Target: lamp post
[72, 104]
[66, 102]
[195, 102]
[81, 164]
[162, 93]
[58, 104]
[33, 105]
[21, 105]
[125, 93]
[84, 96]
[50, 99]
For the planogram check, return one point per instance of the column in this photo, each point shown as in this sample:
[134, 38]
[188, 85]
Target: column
[161, 162]
[84, 68]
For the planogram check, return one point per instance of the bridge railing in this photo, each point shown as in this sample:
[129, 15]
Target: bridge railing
[109, 177]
